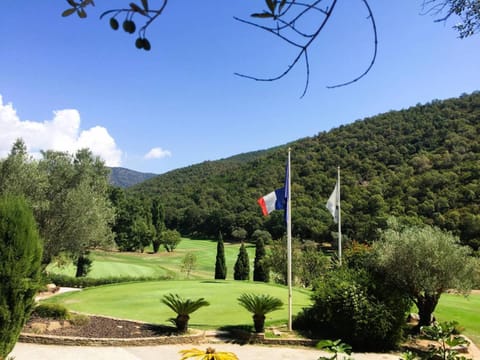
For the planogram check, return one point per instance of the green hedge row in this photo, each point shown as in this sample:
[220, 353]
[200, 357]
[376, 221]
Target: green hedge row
[84, 282]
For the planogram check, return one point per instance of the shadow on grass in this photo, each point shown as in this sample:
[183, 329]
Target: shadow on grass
[238, 334]
[161, 330]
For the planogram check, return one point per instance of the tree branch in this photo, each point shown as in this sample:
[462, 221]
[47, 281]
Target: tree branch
[374, 56]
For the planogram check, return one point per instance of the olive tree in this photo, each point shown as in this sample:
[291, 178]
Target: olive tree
[425, 262]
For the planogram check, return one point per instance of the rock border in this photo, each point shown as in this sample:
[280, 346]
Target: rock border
[197, 338]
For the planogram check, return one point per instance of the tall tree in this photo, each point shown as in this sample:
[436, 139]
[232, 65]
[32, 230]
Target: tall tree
[425, 262]
[21, 254]
[220, 267]
[158, 221]
[242, 265]
[79, 215]
[261, 270]
[20, 175]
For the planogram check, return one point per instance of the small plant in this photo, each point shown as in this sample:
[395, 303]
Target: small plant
[408, 355]
[209, 354]
[335, 346]
[183, 308]
[446, 335]
[259, 306]
[188, 263]
[52, 311]
[79, 319]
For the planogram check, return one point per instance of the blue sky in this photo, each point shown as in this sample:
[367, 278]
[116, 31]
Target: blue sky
[67, 83]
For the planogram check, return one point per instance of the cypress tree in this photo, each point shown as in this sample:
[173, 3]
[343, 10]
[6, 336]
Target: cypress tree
[242, 265]
[220, 268]
[21, 255]
[261, 271]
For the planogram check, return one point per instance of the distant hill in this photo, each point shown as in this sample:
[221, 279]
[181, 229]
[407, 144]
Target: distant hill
[124, 178]
[421, 164]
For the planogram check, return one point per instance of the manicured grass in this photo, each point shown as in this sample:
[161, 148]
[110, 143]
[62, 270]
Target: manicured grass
[141, 301]
[111, 264]
[464, 310]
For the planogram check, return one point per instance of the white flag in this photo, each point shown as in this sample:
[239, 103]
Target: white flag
[332, 203]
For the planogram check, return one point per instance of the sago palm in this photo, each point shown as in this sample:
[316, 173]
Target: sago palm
[259, 306]
[183, 308]
[209, 354]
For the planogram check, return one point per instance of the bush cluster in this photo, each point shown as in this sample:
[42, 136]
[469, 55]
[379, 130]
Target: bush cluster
[348, 305]
[51, 311]
[83, 282]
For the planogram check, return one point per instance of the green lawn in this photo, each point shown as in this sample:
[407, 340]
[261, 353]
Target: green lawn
[111, 264]
[464, 310]
[141, 301]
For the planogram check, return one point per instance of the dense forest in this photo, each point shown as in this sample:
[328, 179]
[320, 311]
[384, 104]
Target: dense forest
[420, 164]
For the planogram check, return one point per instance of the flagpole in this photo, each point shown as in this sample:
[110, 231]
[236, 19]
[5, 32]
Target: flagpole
[339, 219]
[289, 244]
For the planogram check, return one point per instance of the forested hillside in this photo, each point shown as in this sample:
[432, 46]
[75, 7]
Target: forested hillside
[124, 178]
[421, 164]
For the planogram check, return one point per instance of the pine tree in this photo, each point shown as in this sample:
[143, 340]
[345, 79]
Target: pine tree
[21, 254]
[220, 268]
[261, 271]
[242, 265]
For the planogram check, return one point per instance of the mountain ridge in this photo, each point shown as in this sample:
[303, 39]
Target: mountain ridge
[421, 164]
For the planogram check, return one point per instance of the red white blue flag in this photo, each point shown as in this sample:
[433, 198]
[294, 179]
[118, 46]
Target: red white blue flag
[278, 199]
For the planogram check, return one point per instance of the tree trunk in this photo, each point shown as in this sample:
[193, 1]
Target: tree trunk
[259, 323]
[426, 305]
[156, 246]
[182, 323]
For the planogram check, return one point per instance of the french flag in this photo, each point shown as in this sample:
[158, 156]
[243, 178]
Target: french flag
[276, 200]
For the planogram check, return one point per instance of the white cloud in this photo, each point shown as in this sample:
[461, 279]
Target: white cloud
[62, 133]
[157, 153]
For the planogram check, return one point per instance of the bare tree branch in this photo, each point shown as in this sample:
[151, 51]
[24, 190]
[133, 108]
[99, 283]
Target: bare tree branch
[374, 56]
[291, 24]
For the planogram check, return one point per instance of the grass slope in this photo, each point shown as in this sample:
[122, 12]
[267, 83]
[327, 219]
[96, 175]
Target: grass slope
[141, 301]
[111, 264]
[464, 310]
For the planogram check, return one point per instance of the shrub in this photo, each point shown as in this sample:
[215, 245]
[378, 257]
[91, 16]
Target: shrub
[20, 254]
[79, 319]
[84, 282]
[52, 311]
[349, 306]
[220, 266]
[241, 270]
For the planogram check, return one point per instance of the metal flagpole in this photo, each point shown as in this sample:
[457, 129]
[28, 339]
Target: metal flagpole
[289, 244]
[339, 219]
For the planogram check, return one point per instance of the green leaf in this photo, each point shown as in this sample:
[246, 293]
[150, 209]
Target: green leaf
[68, 12]
[137, 8]
[145, 4]
[262, 15]
[282, 4]
[271, 5]
[86, 2]
[81, 13]
[72, 3]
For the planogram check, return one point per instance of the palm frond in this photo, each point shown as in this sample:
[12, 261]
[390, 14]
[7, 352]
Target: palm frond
[183, 306]
[260, 304]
